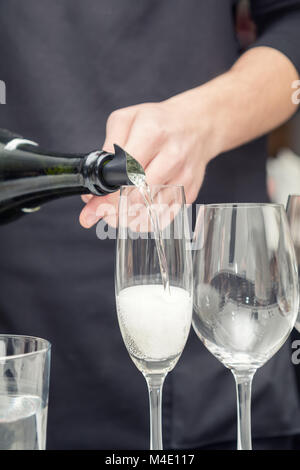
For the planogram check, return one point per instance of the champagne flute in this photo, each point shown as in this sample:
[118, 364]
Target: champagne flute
[293, 214]
[154, 317]
[245, 291]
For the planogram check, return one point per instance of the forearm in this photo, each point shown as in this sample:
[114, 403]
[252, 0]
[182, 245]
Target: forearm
[249, 100]
[175, 139]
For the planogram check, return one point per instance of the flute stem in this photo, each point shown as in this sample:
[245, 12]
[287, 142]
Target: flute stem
[155, 385]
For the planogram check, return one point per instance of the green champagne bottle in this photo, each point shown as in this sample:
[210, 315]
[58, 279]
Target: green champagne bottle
[30, 176]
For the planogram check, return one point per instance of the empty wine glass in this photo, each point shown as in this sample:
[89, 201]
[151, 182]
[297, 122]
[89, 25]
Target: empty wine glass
[154, 317]
[245, 291]
[293, 214]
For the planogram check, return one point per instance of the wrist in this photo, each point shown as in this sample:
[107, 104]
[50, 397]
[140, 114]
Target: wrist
[199, 111]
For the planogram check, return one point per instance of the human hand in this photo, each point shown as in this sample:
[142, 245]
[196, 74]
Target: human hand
[170, 139]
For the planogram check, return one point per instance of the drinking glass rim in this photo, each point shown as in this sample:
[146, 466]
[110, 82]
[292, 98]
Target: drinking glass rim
[26, 337]
[132, 186]
[251, 205]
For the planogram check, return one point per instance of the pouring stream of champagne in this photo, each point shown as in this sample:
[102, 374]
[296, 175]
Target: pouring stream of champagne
[137, 176]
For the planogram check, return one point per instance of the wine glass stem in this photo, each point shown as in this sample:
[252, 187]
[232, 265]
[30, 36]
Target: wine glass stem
[155, 385]
[243, 381]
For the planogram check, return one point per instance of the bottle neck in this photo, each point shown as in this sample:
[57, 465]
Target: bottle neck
[29, 169]
[30, 176]
[81, 172]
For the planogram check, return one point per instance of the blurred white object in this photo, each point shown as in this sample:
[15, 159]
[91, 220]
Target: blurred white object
[283, 174]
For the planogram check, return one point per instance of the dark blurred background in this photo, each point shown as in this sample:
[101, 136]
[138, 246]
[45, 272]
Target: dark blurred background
[284, 143]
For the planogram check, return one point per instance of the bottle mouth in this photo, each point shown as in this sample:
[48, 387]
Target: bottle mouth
[135, 171]
[122, 169]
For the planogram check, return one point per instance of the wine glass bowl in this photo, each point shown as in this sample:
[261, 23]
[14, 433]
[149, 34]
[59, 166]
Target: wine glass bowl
[242, 332]
[245, 288]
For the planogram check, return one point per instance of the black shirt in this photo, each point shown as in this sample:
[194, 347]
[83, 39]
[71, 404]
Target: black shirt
[67, 64]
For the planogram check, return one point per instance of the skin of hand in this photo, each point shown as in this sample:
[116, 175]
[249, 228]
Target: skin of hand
[175, 139]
